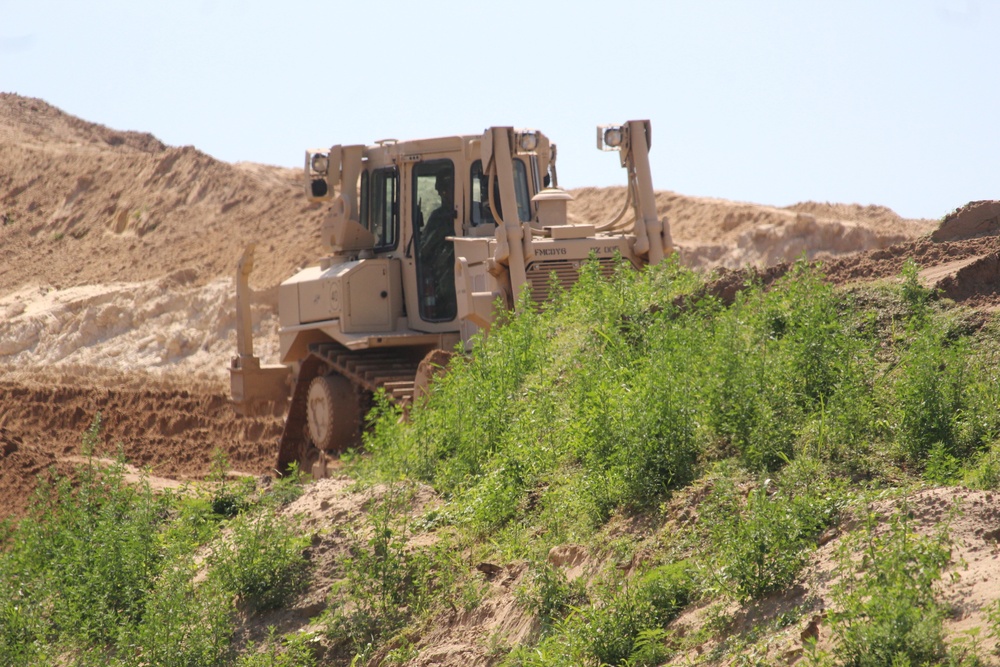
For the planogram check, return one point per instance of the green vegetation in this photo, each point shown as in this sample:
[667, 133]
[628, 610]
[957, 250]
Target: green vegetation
[888, 613]
[698, 450]
[788, 406]
[104, 572]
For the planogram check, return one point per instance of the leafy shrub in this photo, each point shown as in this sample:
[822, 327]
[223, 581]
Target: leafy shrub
[624, 626]
[984, 471]
[549, 594]
[930, 393]
[777, 357]
[887, 612]
[87, 554]
[262, 560]
[183, 625]
[383, 584]
[759, 544]
[289, 651]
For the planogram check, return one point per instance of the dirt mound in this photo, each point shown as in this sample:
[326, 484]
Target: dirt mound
[42, 121]
[714, 233]
[81, 204]
[119, 253]
[974, 220]
[966, 271]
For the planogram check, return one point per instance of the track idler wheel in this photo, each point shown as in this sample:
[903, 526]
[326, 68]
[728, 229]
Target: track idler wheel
[333, 416]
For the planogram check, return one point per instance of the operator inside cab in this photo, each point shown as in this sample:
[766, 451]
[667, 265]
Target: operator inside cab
[437, 255]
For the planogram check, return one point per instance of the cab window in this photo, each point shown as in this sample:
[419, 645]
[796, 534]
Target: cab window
[433, 223]
[481, 211]
[379, 206]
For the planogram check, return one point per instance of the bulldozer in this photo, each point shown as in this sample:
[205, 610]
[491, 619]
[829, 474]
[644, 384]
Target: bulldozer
[424, 243]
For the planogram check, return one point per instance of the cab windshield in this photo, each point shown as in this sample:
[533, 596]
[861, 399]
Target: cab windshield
[482, 212]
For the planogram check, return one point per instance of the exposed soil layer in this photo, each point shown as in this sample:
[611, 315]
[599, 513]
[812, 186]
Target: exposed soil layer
[169, 431]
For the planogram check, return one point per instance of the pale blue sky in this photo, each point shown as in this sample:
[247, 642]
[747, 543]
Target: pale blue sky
[891, 102]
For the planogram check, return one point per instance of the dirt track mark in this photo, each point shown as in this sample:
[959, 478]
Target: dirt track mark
[173, 432]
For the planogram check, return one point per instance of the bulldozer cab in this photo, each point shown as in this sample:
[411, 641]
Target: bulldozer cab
[451, 197]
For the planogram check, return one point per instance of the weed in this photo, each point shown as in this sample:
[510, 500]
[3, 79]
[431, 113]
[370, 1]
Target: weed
[624, 625]
[82, 562]
[294, 650]
[549, 594]
[759, 544]
[887, 611]
[984, 472]
[383, 584]
[286, 489]
[915, 295]
[262, 561]
[941, 467]
[929, 393]
[183, 624]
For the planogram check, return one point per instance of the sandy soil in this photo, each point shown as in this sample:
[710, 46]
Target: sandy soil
[116, 296]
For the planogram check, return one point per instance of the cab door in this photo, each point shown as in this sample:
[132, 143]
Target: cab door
[435, 207]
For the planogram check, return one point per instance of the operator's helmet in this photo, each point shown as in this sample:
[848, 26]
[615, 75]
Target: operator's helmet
[444, 182]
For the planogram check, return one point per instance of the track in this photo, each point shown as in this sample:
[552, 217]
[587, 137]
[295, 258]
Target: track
[393, 370]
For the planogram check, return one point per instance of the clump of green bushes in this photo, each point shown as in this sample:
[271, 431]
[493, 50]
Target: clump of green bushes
[791, 400]
[627, 390]
[105, 572]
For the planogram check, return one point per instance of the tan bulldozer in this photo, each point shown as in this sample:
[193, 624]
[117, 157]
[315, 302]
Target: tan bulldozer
[424, 241]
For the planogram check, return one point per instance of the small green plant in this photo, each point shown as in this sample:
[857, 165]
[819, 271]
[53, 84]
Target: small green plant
[966, 650]
[82, 563]
[549, 594]
[262, 560]
[384, 583]
[759, 544]
[915, 295]
[218, 471]
[294, 650]
[183, 624]
[942, 468]
[887, 611]
[624, 625]
[227, 500]
[930, 393]
[285, 489]
[984, 473]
